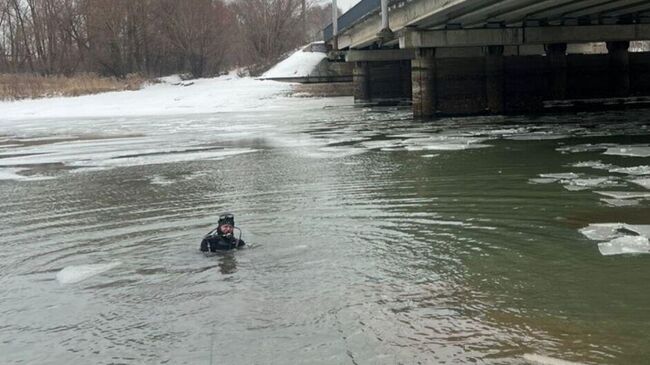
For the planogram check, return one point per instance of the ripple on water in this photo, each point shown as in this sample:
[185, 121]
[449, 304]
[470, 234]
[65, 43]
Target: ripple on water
[359, 249]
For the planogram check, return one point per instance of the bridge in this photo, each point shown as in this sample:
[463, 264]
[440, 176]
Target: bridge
[495, 56]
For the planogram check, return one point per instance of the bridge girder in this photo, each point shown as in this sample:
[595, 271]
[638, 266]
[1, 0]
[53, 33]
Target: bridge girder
[519, 36]
[470, 14]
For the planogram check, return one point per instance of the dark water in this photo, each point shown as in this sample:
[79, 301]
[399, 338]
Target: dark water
[373, 239]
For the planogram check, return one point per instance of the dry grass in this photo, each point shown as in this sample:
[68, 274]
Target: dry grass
[24, 86]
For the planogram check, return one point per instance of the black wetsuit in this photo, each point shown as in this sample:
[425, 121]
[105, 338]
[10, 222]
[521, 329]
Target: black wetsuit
[213, 242]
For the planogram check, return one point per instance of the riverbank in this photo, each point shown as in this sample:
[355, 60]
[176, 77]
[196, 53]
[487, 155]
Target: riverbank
[329, 89]
[169, 96]
[29, 86]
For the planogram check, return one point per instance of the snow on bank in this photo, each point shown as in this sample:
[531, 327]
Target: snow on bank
[301, 63]
[170, 97]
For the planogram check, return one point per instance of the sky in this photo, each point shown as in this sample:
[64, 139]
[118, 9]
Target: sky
[342, 4]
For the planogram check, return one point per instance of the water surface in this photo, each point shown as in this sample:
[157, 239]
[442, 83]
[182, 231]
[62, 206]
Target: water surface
[373, 238]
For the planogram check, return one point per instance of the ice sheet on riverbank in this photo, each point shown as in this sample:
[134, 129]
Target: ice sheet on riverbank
[619, 238]
[221, 94]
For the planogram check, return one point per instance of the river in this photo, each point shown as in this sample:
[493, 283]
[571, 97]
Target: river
[372, 238]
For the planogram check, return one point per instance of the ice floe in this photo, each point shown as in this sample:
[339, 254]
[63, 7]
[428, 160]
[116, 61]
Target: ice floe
[619, 238]
[585, 148]
[609, 149]
[629, 150]
[160, 180]
[574, 182]
[598, 165]
[431, 143]
[625, 194]
[77, 273]
[536, 359]
[8, 173]
[588, 183]
[622, 245]
[620, 202]
[635, 170]
[643, 182]
[560, 176]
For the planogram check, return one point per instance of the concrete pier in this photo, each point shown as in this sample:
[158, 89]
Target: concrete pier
[619, 67]
[381, 75]
[557, 64]
[361, 81]
[495, 79]
[423, 83]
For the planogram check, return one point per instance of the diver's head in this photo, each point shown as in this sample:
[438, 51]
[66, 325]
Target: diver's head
[226, 224]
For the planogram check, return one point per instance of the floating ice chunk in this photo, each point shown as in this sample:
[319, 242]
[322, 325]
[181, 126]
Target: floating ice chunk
[590, 182]
[538, 137]
[594, 165]
[430, 155]
[342, 140]
[585, 148]
[620, 202]
[160, 180]
[602, 231]
[625, 194]
[636, 170]
[391, 149]
[381, 144]
[333, 152]
[610, 231]
[575, 187]
[545, 360]
[544, 180]
[160, 158]
[560, 176]
[13, 174]
[643, 182]
[623, 245]
[633, 151]
[77, 273]
[443, 143]
[445, 147]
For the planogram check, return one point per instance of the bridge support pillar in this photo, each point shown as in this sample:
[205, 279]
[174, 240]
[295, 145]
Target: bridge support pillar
[494, 79]
[557, 65]
[423, 83]
[361, 81]
[619, 67]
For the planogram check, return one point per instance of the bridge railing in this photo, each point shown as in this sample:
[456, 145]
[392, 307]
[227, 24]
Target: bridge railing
[357, 13]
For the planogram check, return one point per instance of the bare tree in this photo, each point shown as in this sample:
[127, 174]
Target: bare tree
[269, 27]
[196, 29]
[152, 37]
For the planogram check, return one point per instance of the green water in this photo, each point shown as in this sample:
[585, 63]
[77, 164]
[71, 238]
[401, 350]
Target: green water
[367, 244]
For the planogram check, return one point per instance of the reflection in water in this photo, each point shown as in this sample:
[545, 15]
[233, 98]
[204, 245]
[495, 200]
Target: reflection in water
[380, 239]
[227, 262]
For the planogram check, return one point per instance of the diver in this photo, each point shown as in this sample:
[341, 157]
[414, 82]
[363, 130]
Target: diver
[222, 237]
